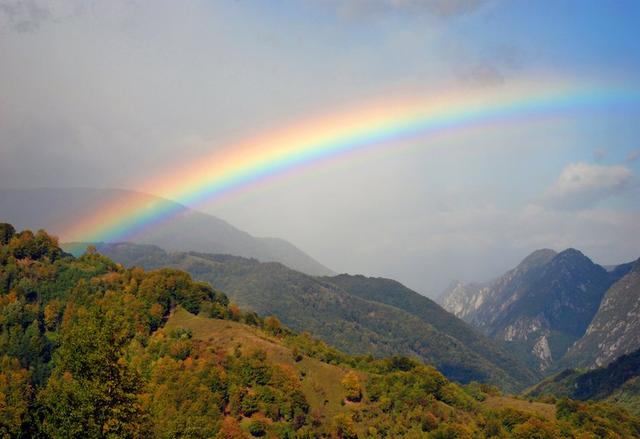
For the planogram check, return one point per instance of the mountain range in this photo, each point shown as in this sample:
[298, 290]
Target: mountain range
[554, 310]
[89, 348]
[357, 314]
[188, 230]
[546, 304]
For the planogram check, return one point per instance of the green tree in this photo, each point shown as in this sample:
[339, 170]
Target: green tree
[258, 428]
[273, 325]
[6, 233]
[170, 287]
[27, 245]
[352, 386]
[92, 391]
[15, 395]
[344, 427]
[230, 430]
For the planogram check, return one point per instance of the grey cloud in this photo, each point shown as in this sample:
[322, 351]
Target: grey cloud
[581, 185]
[599, 154]
[23, 15]
[438, 8]
[493, 65]
[633, 155]
[481, 73]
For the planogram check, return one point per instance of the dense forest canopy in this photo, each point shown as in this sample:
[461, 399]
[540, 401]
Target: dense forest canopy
[91, 349]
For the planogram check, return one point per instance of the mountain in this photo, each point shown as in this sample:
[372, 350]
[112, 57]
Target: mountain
[618, 382]
[541, 307]
[348, 312]
[615, 329]
[479, 303]
[188, 230]
[89, 348]
[393, 293]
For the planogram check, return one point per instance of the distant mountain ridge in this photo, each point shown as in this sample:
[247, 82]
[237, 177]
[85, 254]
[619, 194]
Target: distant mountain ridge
[355, 313]
[189, 230]
[477, 302]
[541, 307]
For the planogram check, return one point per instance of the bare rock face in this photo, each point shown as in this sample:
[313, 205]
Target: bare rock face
[523, 327]
[542, 352]
[615, 329]
[463, 300]
[542, 306]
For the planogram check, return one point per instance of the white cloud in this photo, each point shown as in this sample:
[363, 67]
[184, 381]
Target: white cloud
[633, 155]
[581, 185]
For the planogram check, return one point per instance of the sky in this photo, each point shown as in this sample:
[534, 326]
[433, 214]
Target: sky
[114, 93]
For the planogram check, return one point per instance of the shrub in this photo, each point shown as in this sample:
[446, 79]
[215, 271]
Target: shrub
[258, 428]
[352, 386]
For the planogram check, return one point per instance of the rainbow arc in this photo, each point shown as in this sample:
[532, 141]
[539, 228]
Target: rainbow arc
[386, 124]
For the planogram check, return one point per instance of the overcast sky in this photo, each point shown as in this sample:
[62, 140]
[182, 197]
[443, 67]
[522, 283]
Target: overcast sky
[109, 93]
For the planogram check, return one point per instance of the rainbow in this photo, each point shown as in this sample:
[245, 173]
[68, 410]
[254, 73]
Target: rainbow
[386, 123]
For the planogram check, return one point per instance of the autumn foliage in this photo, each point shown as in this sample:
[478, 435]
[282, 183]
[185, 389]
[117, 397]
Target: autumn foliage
[85, 351]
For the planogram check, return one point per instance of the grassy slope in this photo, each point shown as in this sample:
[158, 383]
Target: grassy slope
[547, 411]
[628, 395]
[321, 381]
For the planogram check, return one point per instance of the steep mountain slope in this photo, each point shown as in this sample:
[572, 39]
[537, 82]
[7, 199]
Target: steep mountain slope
[462, 299]
[618, 382]
[346, 320]
[615, 329]
[542, 306]
[480, 303]
[189, 230]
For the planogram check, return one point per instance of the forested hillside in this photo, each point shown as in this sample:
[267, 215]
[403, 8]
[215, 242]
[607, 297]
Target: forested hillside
[360, 316]
[393, 293]
[618, 382]
[91, 349]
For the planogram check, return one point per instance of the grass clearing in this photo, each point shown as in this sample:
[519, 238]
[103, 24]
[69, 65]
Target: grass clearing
[321, 382]
[547, 411]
